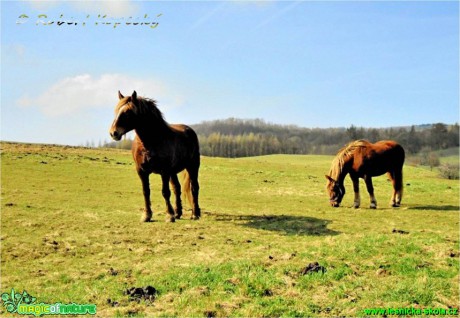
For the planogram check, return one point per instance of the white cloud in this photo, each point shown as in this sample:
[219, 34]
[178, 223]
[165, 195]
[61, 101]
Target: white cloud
[85, 92]
[13, 52]
[113, 8]
[43, 5]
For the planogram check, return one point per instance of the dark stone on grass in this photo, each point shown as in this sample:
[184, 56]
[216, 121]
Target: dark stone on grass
[313, 268]
[139, 293]
[400, 231]
[112, 303]
[150, 291]
[210, 314]
[382, 272]
[423, 265]
[113, 272]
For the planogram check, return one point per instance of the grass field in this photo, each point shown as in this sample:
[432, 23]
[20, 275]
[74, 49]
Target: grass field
[70, 233]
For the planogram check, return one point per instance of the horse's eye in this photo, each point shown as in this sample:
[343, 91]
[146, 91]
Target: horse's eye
[127, 114]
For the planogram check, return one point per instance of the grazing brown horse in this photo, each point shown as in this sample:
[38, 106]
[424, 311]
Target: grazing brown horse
[159, 148]
[362, 159]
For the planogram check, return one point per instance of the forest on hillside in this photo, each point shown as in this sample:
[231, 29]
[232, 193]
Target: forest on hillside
[254, 137]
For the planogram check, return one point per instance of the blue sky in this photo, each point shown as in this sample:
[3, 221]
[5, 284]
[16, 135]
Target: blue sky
[307, 63]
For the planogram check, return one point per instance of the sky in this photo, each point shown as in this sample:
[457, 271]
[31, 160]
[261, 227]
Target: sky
[306, 63]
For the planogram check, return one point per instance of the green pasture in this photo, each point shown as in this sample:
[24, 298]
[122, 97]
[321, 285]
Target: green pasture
[71, 233]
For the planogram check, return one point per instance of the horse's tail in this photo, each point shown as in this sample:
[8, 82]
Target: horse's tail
[187, 188]
[398, 183]
[402, 155]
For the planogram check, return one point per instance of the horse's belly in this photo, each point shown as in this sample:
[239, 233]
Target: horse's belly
[160, 166]
[375, 172]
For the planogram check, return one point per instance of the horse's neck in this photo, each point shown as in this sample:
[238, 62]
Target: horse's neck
[342, 174]
[341, 171]
[152, 135]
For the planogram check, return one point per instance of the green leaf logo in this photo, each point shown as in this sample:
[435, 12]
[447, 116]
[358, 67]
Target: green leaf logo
[13, 300]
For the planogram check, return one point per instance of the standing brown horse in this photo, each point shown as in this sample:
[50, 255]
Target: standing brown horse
[159, 148]
[362, 159]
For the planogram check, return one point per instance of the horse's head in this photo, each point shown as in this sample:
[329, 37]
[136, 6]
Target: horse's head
[336, 191]
[124, 116]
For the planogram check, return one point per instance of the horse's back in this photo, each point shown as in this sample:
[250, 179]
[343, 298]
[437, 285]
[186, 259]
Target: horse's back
[188, 136]
[378, 158]
[387, 144]
[186, 130]
[390, 148]
[388, 154]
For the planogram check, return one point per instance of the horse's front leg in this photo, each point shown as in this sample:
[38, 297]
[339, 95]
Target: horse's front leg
[357, 201]
[147, 215]
[370, 189]
[177, 193]
[167, 196]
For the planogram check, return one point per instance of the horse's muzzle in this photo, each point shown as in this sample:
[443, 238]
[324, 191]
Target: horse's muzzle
[335, 204]
[115, 135]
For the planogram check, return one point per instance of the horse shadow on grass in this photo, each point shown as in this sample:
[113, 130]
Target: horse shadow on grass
[283, 224]
[445, 208]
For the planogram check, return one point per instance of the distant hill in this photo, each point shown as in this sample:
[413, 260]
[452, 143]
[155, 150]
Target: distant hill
[234, 137]
[235, 126]
[247, 137]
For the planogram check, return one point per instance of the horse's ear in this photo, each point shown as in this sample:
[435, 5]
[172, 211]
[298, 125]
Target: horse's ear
[330, 179]
[120, 95]
[134, 97]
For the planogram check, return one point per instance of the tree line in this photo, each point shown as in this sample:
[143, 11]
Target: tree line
[243, 138]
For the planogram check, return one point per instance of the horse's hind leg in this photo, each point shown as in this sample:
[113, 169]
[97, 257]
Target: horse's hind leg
[193, 173]
[167, 196]
[370, 189]
[177, 193]
[399, 187]
[397, 181]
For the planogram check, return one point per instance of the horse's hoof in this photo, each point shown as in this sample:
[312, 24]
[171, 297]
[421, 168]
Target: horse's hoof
[356, 206]
[170, 219]
[395, 205]
[177, 213]
[194, 217]
[146, 218]
[373, 207]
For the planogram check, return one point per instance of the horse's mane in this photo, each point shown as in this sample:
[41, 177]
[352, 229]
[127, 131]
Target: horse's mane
[344, 155]
[144, 107]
